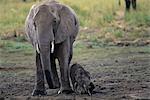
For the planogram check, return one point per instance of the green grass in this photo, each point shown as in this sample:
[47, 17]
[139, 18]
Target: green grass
[10, 46]
[81, 51]
[95, 14]
[13, 14]
[141, 16]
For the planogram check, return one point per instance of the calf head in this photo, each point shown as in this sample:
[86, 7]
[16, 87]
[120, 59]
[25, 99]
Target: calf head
[82, 80]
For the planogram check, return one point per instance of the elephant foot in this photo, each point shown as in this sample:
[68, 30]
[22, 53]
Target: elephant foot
[56, 85]
[65, 91]
[39, 93]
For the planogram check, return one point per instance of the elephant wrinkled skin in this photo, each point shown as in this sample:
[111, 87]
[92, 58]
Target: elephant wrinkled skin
[51, 25]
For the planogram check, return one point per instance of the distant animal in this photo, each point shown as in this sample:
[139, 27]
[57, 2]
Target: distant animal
[81, 80]
[128, 3]
[51, 28]
[119, 2]
[30, 0]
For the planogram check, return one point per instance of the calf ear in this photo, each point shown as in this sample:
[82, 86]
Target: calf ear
[91, 87]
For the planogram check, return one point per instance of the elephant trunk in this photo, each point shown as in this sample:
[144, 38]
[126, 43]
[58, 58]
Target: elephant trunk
[45, 40]
[46, 64]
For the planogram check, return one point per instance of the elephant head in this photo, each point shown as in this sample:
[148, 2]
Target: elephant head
[49, 24]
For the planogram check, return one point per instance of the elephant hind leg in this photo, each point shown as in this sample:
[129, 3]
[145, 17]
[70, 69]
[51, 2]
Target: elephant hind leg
[39, 87]
[54, 71]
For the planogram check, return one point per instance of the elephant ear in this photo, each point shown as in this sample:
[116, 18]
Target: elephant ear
[29, 26]
[68, 26]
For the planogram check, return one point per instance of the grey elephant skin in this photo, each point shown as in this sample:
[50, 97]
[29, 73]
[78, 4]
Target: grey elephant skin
[81, 80]
[51, 28]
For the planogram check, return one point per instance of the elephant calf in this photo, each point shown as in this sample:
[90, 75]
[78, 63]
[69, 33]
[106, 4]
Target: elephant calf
[80, 80]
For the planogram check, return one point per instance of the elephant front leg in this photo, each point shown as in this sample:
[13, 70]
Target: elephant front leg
[63, 58]
[54, 71]
[65, 84]
[39, 87]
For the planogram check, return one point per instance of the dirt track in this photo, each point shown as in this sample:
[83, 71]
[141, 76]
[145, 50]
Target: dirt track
[117, 72]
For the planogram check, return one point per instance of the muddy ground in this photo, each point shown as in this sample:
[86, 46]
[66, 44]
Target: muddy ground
[117, 72]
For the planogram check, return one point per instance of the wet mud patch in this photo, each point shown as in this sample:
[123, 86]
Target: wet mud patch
[117, 72]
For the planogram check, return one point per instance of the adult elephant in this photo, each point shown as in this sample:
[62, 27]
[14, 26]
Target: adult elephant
[52, 27]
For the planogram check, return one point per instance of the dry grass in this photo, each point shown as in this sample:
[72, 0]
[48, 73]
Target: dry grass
[96, 14]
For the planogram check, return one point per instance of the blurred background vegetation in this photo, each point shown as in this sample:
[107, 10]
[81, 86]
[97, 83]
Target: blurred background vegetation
[101, 21]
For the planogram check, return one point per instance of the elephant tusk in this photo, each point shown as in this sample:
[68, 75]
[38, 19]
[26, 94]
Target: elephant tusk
[37, 48]
[59, 92]
[52, 48]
